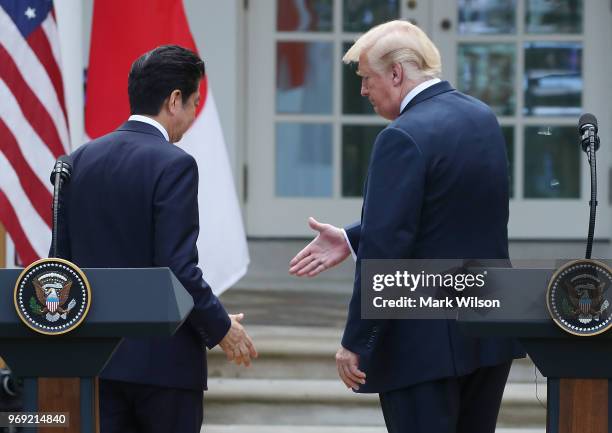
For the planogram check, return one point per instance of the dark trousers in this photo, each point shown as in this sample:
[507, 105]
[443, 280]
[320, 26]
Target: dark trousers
[134, 408]
[464, 404]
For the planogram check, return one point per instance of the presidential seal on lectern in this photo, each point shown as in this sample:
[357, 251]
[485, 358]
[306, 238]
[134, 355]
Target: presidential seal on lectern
[52, 296]
[578, 297]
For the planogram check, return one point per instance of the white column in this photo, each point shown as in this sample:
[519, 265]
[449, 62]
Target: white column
[69, 15]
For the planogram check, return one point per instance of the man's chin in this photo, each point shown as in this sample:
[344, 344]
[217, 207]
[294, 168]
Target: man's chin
[377, 111]
[178, 137]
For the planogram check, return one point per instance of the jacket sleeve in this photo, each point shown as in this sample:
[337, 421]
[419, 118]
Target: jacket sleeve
[390, 220]
[176, 228]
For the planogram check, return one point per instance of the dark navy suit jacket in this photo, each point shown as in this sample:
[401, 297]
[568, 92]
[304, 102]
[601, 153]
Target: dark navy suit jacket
[437, 188]
[132, 202]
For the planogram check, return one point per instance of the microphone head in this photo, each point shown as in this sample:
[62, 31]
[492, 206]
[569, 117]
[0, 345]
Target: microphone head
[63, 167]
[585, 120]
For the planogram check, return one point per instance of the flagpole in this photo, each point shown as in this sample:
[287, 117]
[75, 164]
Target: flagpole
[79, 393]
[69, 16]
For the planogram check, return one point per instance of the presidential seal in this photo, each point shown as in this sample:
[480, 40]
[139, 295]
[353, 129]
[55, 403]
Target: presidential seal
[52, 296]
[578, 297]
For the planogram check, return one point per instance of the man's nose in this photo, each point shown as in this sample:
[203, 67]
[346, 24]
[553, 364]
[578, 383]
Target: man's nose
[364, 89]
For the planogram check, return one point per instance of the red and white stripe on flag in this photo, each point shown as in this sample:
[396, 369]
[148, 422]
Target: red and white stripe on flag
[222, 243]
[52, 305]
[33, 122]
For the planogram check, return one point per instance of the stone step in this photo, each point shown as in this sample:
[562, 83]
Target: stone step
[328, 402]
[284, 353]
[212, 428]
[308, 353]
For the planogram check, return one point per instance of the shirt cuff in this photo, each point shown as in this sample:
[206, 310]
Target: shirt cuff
[349, 244]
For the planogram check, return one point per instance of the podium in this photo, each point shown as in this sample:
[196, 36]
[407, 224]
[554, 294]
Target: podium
[578, 369]
[125, 303]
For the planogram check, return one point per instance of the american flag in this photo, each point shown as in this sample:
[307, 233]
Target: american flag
[33, 122]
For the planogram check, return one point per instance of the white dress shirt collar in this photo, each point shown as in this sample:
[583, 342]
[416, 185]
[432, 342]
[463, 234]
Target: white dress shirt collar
[152, 122]
[418, 89]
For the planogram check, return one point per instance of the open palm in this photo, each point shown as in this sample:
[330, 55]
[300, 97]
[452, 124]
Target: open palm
[326, 250]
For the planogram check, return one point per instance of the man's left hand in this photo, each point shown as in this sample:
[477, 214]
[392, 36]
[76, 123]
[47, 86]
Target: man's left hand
[348, 368]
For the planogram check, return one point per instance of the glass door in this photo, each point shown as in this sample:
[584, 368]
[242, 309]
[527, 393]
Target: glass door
[539, 64]
[309, 131]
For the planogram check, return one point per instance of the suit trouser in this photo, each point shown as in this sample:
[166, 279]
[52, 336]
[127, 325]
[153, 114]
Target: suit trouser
[135, 408]
[464, 404]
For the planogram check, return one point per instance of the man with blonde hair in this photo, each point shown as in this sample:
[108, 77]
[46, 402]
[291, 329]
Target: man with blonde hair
[437, 188]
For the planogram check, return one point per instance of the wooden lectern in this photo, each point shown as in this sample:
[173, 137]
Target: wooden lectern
[578, 369]
[59, 371]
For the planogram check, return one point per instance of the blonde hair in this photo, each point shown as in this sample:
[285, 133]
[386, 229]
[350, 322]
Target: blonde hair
[398, 42]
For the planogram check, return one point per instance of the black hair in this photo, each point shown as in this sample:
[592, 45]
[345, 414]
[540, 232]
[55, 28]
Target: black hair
[156, 74]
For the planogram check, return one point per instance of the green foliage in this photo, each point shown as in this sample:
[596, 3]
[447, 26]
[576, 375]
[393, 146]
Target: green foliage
[34, 306]
[566, 307]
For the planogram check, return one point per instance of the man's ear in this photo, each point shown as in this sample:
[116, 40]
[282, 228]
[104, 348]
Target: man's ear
[174, 101]
[398, 74]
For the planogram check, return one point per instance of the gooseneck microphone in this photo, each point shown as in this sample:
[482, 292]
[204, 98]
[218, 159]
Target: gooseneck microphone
[63, 167]
[587, 128]
[59, 176]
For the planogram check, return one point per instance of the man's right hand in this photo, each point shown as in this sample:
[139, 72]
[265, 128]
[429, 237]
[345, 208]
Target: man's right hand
[327, 250]
[237, 344]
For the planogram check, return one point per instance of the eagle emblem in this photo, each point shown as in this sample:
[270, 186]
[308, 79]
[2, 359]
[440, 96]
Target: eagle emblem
[578, 297]
[52, 296]
[52, 291]
[587, 300]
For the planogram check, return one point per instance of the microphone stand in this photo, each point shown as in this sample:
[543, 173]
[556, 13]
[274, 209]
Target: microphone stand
[593, 202]
[57, 184]
[60, 175]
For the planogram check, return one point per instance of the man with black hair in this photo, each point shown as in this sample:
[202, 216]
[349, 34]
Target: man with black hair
[132, 202]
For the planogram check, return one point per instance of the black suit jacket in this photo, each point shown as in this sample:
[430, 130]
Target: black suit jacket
[437, 188]
[133, 202]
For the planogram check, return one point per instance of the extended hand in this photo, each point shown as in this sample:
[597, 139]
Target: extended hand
[326, 250]
[237, 344]
[348, 368]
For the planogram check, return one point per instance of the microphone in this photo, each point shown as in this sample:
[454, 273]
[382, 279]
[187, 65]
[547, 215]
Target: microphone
[63, 167]
[587, 128]
[11, 392]
[7, 383]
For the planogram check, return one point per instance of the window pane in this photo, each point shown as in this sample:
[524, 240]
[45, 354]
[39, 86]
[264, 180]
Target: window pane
[548, 17]
[553, 78]
[304, 77]
[303, 160]
[478, 17]
[486, 71]
[508, 132]
[361, 15]
[304, 16]
[352, 101]
[357, 144]
[552, 162]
